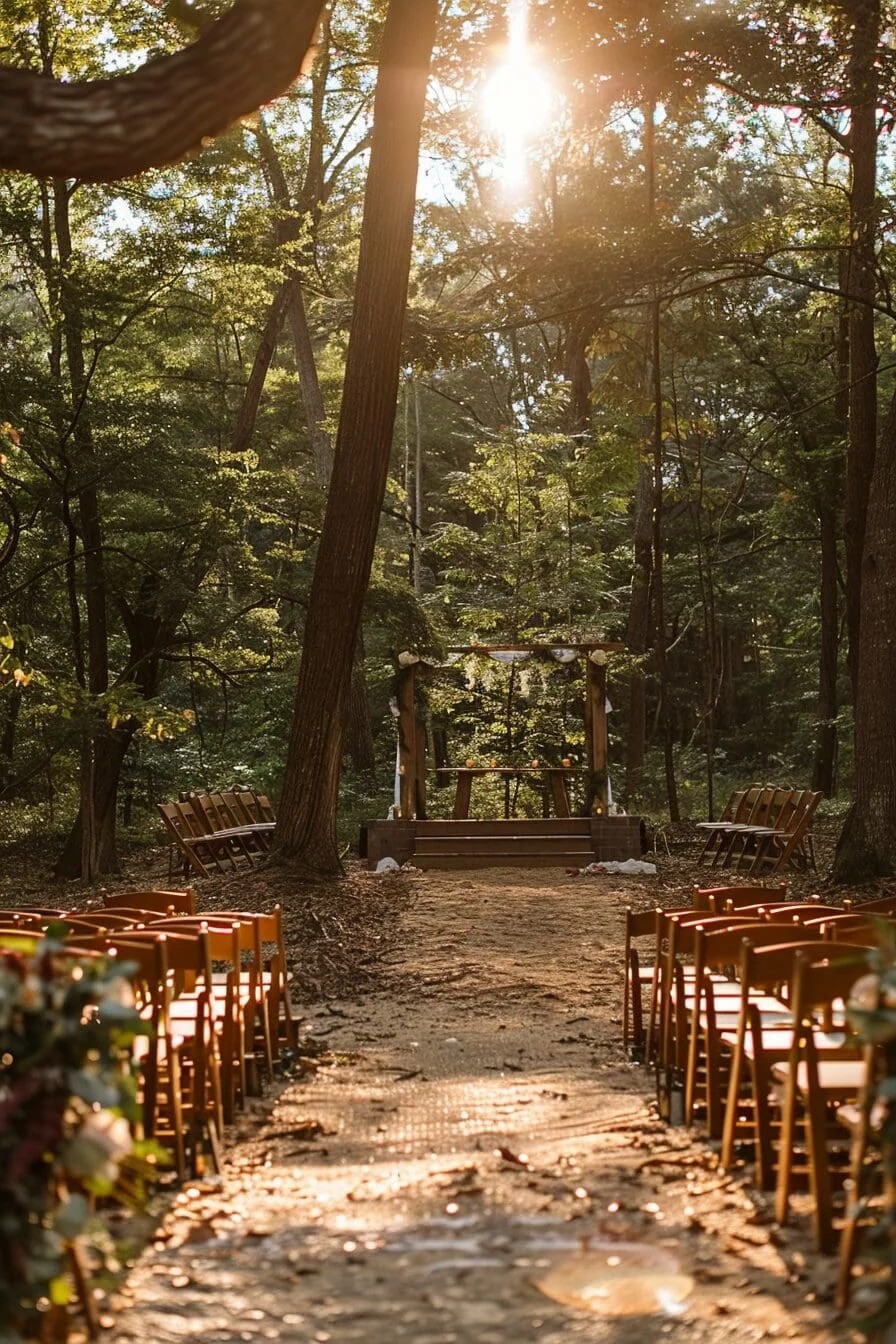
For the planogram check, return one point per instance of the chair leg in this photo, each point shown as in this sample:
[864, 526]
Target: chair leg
[785, 1148]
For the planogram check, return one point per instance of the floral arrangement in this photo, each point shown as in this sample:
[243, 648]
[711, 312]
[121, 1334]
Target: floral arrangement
[67, 1108]
[872, 1011]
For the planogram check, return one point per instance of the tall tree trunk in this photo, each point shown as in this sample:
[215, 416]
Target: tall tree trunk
[659, 605]
[867, 846]
[91, 849]
[868, 842]
[861, 292]
[829, 491]
[307, 827]
[11, 704]
[93, 564]
[578, 378]
[641, 603]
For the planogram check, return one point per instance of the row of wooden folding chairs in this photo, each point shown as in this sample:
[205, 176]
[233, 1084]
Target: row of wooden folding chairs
[217, 831]
[764, 1056]
[763, 829]
[214, 991]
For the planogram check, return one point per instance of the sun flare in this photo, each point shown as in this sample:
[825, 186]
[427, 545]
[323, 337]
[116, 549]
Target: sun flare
[516, 107]
[516, 100]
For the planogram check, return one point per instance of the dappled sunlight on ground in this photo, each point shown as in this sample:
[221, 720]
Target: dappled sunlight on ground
[473, 1130]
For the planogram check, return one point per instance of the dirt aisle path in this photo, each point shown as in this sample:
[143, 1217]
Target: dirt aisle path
[478, 1127]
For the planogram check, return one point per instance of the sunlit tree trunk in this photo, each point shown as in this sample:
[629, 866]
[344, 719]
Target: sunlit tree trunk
[307, 826]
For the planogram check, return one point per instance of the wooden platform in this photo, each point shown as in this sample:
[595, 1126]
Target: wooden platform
[550, 842]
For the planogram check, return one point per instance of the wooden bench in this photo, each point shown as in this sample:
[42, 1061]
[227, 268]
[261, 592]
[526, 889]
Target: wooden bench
[216, 831]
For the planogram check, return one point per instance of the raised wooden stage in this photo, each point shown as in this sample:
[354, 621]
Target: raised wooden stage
[549, 842]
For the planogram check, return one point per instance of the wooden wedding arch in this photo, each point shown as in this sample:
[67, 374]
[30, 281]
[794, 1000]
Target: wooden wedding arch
[460, 841]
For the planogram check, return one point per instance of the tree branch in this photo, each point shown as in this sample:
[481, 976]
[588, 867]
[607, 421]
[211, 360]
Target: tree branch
[112, 128]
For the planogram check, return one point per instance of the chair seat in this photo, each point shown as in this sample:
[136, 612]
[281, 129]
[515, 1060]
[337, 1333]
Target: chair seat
[779, 1040]
[838, 1077]
[728, 1017]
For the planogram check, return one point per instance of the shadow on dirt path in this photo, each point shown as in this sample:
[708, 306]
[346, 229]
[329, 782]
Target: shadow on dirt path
[477, 1127]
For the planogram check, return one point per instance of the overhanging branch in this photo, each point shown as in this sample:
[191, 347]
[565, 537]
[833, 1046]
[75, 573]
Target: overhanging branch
[108, 129]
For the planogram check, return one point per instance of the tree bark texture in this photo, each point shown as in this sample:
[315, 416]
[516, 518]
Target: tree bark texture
[306, 829]
[861, 290]
[867, 846]
[90, 848]
[113, 128]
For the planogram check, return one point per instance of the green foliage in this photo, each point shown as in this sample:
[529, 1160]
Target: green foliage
[67, 1107]
[529, 481]
[872, 1011]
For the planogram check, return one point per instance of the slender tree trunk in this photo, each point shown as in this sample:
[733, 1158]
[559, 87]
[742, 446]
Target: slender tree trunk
[829, 491]
[418, 495]
[307, 827]
[306, 366]
[826, 709]
[641, 604]
[637, 633]
[12, 704]
[578, 377]
[264, 353]
[659, 606]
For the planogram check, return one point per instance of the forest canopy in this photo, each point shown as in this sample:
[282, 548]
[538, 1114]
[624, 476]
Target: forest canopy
[645, 395]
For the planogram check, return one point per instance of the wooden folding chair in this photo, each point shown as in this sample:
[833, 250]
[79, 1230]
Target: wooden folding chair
[198, 851]
[44, 912]
[876, 929]
[673, 997]
[756, 1044]
[789, 843]
[714, 1005]
[802, 912]
[232, 941]
[272, 973]
[752, 807]
[737, 807]
[719, 900]
[884, 905]
[191, 1062]
[638, 977]
[99, 921]
[773, 808]
[868, 1184]
[234, 807]
[814, 1085]
[182, 902]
